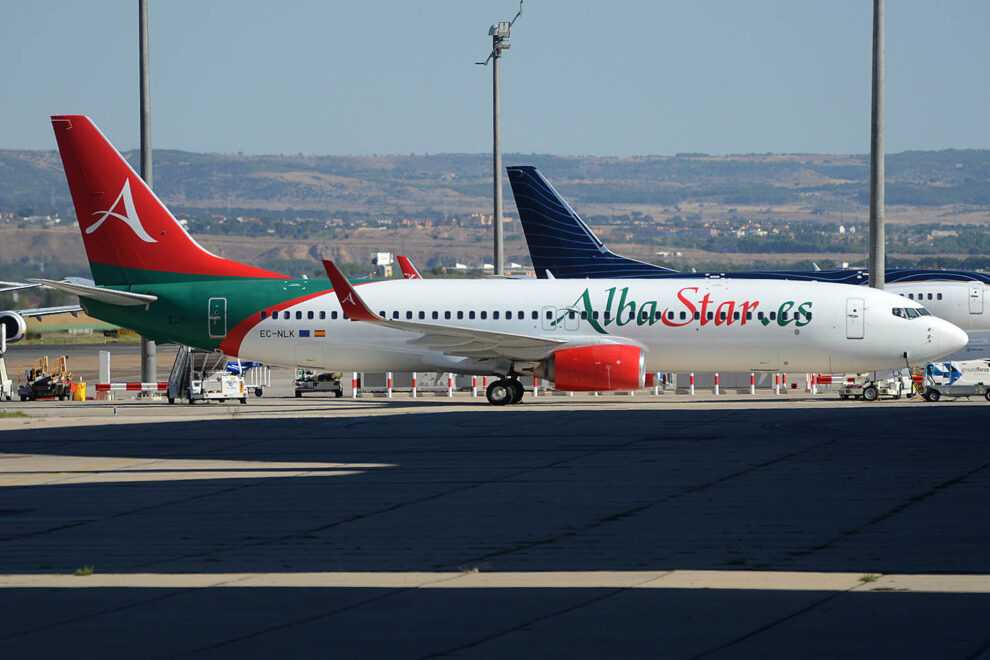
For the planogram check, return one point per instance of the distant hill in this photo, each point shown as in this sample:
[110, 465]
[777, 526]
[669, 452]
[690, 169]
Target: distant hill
[32, 183]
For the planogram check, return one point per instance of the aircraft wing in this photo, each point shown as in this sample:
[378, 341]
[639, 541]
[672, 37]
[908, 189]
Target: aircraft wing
[38, 312]
[15, 286]
[454, 340]
[109, 296]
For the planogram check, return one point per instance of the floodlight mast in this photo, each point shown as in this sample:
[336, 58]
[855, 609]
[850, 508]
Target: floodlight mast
[499, 33]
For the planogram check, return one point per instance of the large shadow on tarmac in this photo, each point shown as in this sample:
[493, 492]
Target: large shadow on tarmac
[871, 489]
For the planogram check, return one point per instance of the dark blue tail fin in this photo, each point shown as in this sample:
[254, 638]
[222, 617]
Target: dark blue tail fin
[559, 241]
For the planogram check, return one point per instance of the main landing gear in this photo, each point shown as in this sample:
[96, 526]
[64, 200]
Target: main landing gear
[504, 391]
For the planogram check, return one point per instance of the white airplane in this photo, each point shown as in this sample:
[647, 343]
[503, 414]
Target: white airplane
[13, 324]
[583, 335]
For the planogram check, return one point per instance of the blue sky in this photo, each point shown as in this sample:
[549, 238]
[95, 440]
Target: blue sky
[603, 78]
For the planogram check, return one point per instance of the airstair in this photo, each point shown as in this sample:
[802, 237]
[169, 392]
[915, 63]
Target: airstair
[202, 375]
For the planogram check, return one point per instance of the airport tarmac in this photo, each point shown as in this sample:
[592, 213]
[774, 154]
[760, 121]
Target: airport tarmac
[611, 526]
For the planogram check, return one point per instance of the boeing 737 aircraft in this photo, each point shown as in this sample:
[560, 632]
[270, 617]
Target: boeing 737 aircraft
[563, 246]
[151, 276]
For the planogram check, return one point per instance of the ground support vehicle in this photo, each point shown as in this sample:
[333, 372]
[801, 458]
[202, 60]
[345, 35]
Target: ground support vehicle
[870, 388]
[202, 376]
[306, 381]
[956, 379]
[47, 383]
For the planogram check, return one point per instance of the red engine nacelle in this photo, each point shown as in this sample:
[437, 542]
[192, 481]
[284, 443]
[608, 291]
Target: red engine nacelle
[14, 324]
[600, 368]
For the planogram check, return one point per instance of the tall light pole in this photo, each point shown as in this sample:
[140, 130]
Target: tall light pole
[877, 239]
[500, 36]
[149, 352]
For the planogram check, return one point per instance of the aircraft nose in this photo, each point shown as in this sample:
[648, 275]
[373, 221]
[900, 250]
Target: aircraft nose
[951, 338]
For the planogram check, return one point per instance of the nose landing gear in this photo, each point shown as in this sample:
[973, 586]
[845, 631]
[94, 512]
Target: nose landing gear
[505, 391]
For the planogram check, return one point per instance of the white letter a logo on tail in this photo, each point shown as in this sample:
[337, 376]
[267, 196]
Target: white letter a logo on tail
[130, 216]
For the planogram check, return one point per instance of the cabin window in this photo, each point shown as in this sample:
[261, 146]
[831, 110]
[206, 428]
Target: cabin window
[572, 314]
[382, 314]
[608, 315]
[310, 315]
[446, 315]
[422, 315]
[807, 315]
[436, 315]
[395, 315]
[549, 314]
[495, 315]
[508, 315]
[911, 296]
[299, 316]
[670, 315]
[938, 296]
[333, 315]
[483, 315]
[536, 315]
[323, 314]
[759, 316]
[773, 316]
[460, 315]
[408, 316]
[721, 316]
[521, 315]
[683, 315]
[697, 316]
[735, 316]
[471, 315]
[594, 314]
[783, 316]
[632, 315]
[584, 315]
[344, 316]
[264, 314]
[275, 314]
[711, 316]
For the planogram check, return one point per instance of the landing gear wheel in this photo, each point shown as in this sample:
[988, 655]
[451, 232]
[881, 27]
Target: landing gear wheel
[870, 393]
[517, 390]
[500, 392]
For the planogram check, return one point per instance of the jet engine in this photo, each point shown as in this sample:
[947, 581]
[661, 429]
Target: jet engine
[599, 368]
[14, 324]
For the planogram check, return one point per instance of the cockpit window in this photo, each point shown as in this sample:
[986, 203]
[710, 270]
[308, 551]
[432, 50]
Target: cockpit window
[910, 312]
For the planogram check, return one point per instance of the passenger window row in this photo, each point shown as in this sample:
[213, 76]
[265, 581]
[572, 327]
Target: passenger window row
[521, 315]
[921, 296]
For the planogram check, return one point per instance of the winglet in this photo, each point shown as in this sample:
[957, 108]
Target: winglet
[408, 270]
[354, 308]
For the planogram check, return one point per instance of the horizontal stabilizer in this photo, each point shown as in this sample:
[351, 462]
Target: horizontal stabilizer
[108, 296]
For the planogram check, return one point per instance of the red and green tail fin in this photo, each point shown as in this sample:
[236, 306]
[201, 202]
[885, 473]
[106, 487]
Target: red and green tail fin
[129, 235]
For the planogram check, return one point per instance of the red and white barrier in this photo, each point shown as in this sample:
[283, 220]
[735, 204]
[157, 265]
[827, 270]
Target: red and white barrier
[132, 387]
[414, 385]
[536, 387]
[716, 383]
[752, 383]
[389, 376]
[474, 386]
[450, 386]
[692, 384]
[354, 386]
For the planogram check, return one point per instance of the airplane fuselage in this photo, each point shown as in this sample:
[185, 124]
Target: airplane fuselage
[682, 324]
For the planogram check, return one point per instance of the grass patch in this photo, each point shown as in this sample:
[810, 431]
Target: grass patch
[11, 413]
[83, 571]
[868, 577]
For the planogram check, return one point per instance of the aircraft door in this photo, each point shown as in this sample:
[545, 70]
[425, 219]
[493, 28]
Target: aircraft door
[855, 321]
[548, 315]
[217, 317]
[976, 297]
